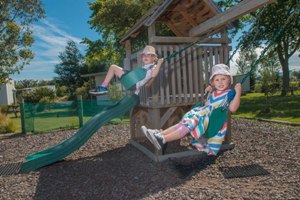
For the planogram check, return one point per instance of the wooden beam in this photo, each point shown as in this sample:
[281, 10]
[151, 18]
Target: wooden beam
[180, 40]
[224, 18]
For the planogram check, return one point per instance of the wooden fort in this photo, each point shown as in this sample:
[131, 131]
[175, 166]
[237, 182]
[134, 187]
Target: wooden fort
[183, 79]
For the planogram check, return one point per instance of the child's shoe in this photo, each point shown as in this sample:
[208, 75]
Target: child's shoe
[146, 132]
[154, 136]
[102, 90]
[158, 140]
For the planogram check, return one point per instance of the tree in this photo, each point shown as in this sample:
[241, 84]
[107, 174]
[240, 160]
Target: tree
[16, 17]
[70, 67]
[274, 18]
[26, 83]
[245, 60]
[112, 20]
[269, 77]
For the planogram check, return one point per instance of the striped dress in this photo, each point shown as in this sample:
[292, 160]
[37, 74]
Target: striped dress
[197, 119]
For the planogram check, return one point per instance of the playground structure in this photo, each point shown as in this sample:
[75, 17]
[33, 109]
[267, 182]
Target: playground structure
[181, 81]
[183, 78]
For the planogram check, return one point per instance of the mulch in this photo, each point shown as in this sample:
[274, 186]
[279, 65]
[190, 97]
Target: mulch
[108, 167]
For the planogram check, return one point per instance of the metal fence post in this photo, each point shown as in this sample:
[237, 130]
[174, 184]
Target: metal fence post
[80, 110]
[22, 112]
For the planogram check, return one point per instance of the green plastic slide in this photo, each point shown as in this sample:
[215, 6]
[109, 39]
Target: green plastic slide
[60, 151]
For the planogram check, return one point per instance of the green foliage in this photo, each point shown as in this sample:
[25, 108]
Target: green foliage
[115, 92]
[16, 17]
[282, 14]
[112, 20]
[28, 83]
[296, 74]
[37, 95]
[269, 74]
[62, 91]
[6, 125]
[83, 90]
[70, 67]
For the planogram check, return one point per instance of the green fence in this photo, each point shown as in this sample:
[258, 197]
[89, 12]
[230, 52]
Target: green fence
[44, 117]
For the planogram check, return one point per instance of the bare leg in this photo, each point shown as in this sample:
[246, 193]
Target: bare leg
[174, 133]
[113, 70]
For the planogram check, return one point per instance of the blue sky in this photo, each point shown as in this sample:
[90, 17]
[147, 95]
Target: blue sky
[67, 20]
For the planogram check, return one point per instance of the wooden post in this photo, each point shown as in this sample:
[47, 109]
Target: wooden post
[127, 62]
[22, 111]
[80, 110]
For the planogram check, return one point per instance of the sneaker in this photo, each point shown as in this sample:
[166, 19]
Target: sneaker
[157, 139]
[146, 132]
[102, 90]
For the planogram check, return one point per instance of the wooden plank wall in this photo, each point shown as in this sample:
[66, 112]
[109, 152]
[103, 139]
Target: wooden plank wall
[182, 79]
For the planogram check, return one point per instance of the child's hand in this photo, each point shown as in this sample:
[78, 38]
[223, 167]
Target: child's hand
[238, 88]
[208, 89]
[160, 61]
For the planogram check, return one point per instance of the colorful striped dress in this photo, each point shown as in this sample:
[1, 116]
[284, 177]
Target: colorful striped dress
[197, 119]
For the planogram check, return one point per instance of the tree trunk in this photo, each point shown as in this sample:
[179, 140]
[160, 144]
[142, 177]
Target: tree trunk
[285, 78]
[284, 59]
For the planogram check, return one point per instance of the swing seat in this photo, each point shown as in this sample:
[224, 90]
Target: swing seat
[217, 118]
[131, 78]
[216, 121]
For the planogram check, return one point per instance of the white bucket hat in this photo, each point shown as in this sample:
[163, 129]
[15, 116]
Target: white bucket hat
[220, 69]
[149, 50]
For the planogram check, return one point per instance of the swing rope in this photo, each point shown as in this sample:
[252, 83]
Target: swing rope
[268, 47]
[219, 115]
[138, 73]
[248, 32]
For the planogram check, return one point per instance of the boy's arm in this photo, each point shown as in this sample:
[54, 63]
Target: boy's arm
[235, 103]
[155, 70]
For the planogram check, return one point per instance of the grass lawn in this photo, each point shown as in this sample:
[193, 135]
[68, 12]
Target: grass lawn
[50, 123]
[252, 105]
[281, 108]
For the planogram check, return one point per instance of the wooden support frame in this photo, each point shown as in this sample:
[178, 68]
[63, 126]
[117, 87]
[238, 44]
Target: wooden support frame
[160, 157]
[243, 8]
[183, 40]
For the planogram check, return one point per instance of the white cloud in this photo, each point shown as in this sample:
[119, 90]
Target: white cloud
[50, 40]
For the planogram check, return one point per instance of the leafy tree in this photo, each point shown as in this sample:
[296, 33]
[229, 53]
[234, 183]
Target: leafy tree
[36, 95]
[296, 74]
[26, 83]
[70, 67]
[269, 77]
[283, 13]
[269, 73]
[16, 38]
[112, 20]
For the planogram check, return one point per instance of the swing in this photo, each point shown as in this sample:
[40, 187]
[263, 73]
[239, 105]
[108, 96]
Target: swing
[137, 74]
[217, 118]
[131, 78]
[219, 115]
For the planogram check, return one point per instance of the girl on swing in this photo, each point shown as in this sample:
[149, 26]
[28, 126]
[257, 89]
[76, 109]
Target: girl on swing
[196, 120]
[150, 62]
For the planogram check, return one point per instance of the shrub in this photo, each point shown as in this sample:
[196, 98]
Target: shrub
[62, 91]
[115, 92]
[36, 95]
[6, 125]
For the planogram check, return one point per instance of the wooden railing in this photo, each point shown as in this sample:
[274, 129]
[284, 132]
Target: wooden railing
[183, 79]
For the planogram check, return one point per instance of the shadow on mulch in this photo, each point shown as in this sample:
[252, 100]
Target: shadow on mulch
[189, 166]
[122, 173]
